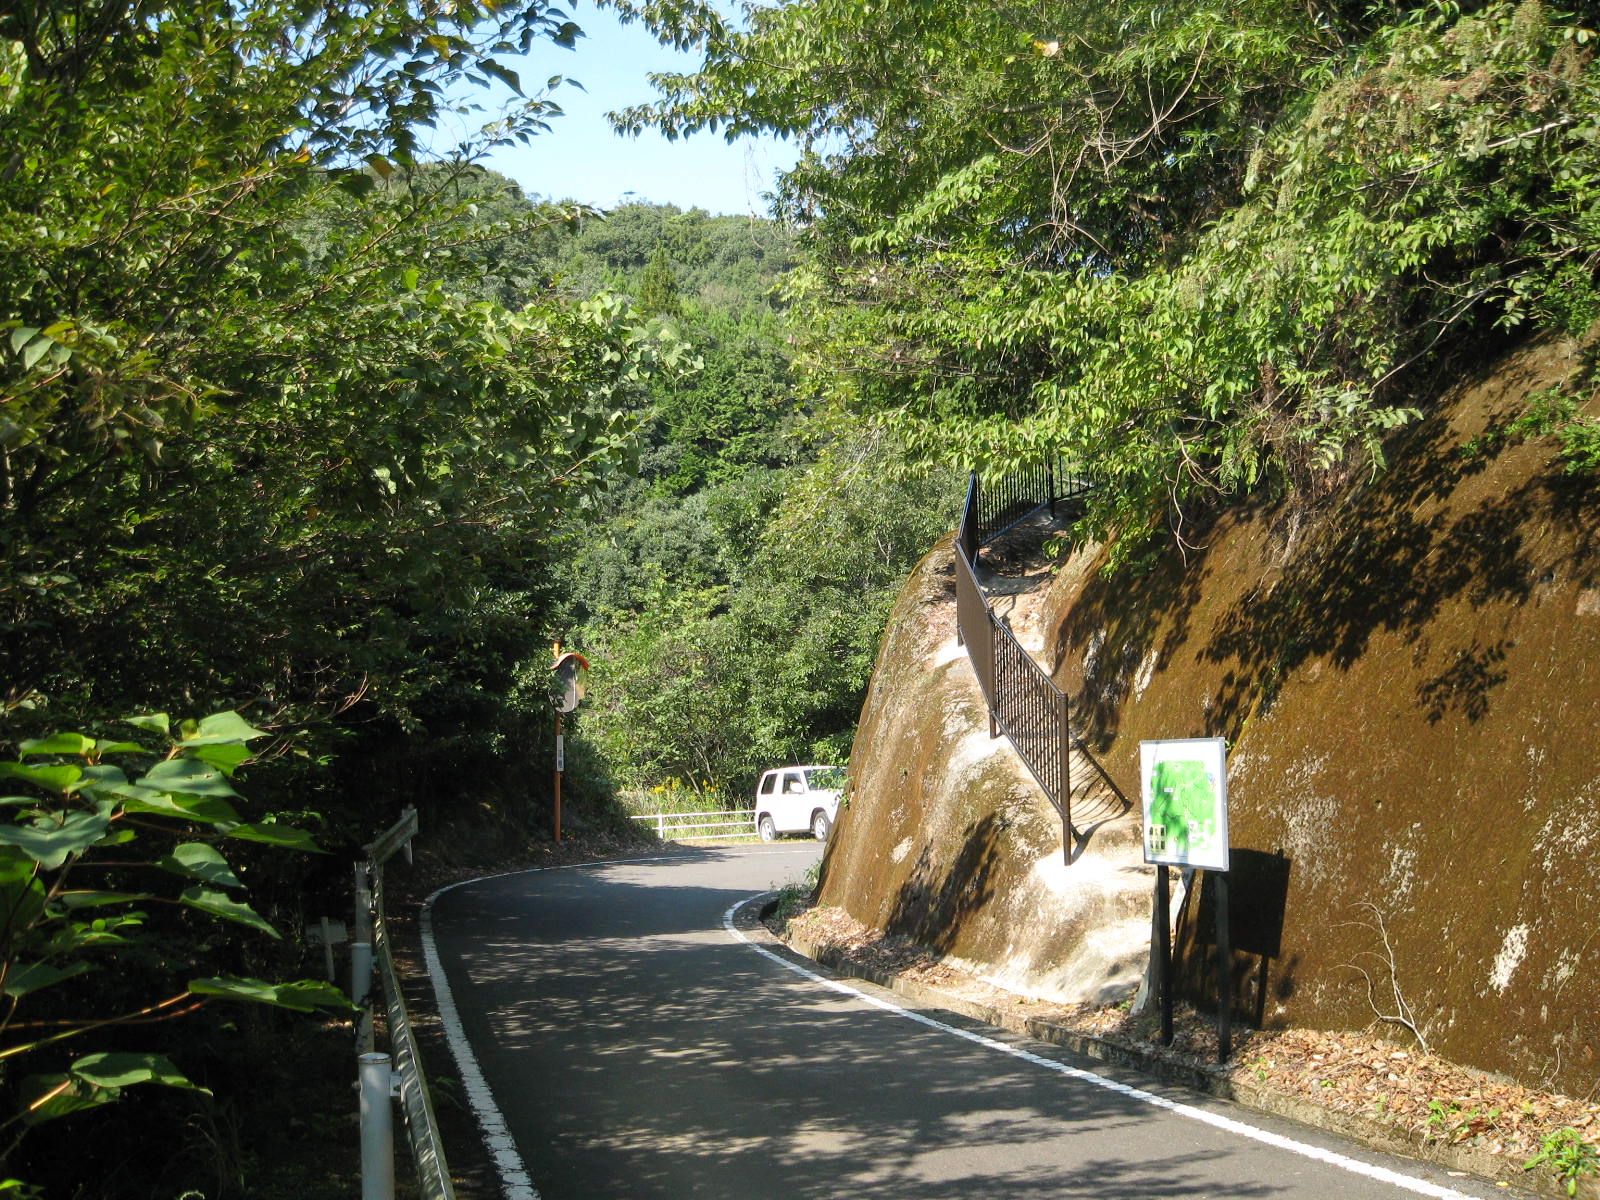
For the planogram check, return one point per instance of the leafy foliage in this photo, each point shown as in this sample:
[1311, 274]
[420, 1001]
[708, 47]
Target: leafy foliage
[756, 645]
[80, 894]
[1196, 250]
[264, 436]
[286, 415]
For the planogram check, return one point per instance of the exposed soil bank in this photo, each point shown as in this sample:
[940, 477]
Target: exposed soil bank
[1410, 686]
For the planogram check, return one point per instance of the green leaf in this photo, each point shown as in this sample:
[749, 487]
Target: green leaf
[21, 893]
[220, 904]
[223, 727]
[304, 995]
[154, 722]
[57, 743]
[52, 844]
[358, 183]
[103, 777]
[285, 836]
[197, 860]
[120, 1069]
[188, 777]
[226, 757]
[211, 810]
[106, 746]
[58, 777]
[504, 74]
[97, 1079]
[32, 977]
[46, 1097]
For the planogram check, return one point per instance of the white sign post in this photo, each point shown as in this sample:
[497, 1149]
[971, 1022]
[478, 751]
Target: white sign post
[570, 669]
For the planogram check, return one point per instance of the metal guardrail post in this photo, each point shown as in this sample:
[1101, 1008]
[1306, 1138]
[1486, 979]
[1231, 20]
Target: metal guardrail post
[1064, 749]
[377, 1128]
[361, 939]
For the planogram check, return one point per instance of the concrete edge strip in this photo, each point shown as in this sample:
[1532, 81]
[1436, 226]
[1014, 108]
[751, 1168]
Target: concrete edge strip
[515, 1182]
[1370, 1170]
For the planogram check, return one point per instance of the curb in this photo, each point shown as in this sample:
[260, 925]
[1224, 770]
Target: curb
[1210, 1080]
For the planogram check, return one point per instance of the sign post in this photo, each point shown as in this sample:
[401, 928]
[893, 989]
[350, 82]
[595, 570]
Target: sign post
[569, 670]
[1184, 783]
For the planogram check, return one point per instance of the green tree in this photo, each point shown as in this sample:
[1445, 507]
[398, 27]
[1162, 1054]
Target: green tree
[259, 440]
[658, 286]
[758, 647]
[1196, 249]
[268, 440]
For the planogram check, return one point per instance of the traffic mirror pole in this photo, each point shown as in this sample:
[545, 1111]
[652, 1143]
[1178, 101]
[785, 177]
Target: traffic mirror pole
[559, 755]
[569, 671]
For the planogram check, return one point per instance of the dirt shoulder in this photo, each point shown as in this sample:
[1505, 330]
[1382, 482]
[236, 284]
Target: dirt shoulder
[1386, 1096]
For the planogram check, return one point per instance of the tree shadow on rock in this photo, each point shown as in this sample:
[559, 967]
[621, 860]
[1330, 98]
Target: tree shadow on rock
[931, 906]
[1114, 624]
[1384, 566]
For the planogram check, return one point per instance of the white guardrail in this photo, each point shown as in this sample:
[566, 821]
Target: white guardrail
[399, 1072]
[735, 823]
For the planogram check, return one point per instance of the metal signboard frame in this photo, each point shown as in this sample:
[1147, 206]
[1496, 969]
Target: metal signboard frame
[1184, 785]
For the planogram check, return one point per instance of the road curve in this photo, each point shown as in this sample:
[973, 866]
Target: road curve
[626, 1035]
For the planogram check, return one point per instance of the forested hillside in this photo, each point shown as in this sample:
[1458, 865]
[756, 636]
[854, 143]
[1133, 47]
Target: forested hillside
[1197, 250]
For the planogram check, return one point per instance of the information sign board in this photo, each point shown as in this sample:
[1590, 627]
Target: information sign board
[1185, 787]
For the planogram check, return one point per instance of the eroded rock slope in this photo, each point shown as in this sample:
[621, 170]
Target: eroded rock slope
[1409, 680]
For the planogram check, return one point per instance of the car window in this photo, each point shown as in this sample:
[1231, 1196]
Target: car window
[830, 778]
[793, 785]
[769, 785]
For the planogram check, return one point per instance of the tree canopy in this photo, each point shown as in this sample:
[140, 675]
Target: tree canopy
[274, 441]
[1194, 249]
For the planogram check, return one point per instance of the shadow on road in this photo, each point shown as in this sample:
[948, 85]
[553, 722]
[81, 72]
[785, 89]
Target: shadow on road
[637, 1051]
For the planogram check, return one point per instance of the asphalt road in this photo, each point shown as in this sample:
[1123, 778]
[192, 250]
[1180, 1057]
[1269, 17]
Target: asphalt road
[628, 1040]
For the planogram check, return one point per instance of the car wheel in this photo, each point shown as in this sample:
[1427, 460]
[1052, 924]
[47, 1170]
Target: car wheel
[766, 828]
[819, 826]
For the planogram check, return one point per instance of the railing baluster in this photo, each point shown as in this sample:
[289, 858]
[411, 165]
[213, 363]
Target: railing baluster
[1023, 702]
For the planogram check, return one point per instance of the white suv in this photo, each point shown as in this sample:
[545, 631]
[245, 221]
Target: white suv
[797, 799]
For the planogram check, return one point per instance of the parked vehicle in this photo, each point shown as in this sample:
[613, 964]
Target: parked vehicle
[798, 800]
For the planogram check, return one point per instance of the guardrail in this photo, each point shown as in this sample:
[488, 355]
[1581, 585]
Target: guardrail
[673, 824]
[1023, 702]
[381, 1073]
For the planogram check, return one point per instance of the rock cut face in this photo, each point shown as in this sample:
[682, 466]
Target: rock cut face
[1409, 684]
[947, 840]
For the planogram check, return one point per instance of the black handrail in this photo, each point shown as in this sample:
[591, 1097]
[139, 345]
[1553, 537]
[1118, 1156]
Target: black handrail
[1023, 702]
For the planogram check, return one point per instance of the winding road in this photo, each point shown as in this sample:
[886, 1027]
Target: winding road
[628, 1030]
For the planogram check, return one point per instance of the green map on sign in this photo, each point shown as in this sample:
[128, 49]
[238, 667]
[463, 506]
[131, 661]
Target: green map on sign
[1183, 800]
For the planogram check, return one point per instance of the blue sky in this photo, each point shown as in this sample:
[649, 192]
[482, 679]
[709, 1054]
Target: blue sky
[582, 159]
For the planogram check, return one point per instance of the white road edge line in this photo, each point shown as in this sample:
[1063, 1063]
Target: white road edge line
[1355, 1166]
[515, 1182]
